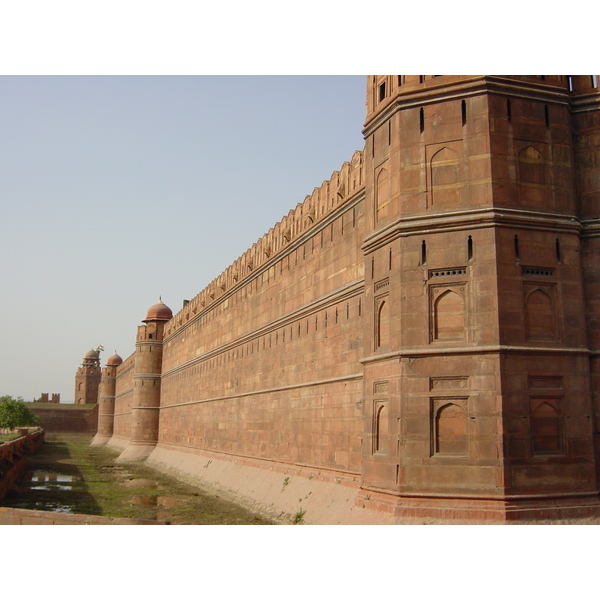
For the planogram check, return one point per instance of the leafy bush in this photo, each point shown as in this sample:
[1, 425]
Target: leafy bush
[14, 413]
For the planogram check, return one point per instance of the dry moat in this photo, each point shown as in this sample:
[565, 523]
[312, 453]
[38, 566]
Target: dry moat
[68, 475]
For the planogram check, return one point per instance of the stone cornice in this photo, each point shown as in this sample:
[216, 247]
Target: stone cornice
[456, 350]
[585, 103]
[590, 228]
[463, 88]
[470, 219]
[349, 291]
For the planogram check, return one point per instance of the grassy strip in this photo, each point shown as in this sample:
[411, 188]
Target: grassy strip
[101, 487]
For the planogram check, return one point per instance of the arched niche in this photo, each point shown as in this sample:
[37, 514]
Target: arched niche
[540, 317]
[532, 175]
[382, 323]
[381, 426]
[545, 428]
[445, 177]
[449, 316]
[451, 430]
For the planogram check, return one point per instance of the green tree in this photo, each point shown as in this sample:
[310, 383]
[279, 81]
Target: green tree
[14, 413]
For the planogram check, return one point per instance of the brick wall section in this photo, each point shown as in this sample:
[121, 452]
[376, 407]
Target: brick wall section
[282, 380]
[123, 398]
[76, 418]
[13, 458]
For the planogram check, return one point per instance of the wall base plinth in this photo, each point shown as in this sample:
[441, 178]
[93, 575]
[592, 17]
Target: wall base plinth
[100, 440]
[135, 452]
[483, 510]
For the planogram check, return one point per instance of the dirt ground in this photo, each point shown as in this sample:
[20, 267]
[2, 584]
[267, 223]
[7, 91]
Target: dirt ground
[68, 475]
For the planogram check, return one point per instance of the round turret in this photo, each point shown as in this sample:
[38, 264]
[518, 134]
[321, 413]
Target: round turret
[158, 312]
[93, 354]
[114, 361]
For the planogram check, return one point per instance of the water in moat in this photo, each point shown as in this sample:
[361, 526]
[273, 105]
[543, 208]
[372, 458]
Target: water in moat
[68, 475]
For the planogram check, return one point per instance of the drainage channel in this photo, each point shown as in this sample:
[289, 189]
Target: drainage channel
[69, 476]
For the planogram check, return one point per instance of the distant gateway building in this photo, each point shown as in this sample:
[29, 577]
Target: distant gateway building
[418, 338]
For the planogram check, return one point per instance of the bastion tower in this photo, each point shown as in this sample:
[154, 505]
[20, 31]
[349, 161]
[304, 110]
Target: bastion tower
[106, 401]
[145, 407]
[87, 379]
[483, 200]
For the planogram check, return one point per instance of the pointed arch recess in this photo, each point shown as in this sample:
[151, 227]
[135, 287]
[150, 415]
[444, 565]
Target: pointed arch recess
[382, 327]
[449, 316]
[381, 427]
[451, 430]
[545, 428]
[445, 177]
[532, 174]
[540, 315]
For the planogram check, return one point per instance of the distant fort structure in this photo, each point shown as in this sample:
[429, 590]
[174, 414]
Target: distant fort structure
[419, 338]
[45, 397]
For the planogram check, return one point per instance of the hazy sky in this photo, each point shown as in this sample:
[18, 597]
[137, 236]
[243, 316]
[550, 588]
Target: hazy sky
[115, 190]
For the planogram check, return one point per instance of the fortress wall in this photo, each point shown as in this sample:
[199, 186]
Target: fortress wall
[256, 266]
[271, 369]
[123, 398]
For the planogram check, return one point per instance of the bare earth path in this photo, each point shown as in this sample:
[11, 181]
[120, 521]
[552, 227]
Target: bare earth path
[68, 475]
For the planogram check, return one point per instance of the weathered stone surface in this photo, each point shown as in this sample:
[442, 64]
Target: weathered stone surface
[426, 323]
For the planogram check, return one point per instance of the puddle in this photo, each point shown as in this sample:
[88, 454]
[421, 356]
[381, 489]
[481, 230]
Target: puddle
[48, 476]
[45, 481]
[50, 507]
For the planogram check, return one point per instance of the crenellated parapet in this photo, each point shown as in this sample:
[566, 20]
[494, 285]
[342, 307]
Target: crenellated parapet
[343, 185]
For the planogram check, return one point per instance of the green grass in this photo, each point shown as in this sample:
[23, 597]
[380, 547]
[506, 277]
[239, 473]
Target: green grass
[104, 488]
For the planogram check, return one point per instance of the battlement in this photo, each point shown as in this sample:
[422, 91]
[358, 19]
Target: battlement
[45, 398]
[343, 185]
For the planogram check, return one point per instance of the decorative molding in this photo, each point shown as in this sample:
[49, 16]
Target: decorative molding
[355, 377]
[469, 348]
[345, 293]
[451, 272]
[416, 97]
[444, 222]
[448, 383]
[537, 271]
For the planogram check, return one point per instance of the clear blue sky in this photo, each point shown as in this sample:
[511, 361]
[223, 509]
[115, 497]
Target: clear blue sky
[115, 190]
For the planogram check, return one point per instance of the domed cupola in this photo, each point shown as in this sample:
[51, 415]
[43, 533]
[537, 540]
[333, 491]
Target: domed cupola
[114, 361]
[159, 312]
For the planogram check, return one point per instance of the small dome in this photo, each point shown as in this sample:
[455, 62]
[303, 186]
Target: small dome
[159, 312]
[114, 361]
[93, 354]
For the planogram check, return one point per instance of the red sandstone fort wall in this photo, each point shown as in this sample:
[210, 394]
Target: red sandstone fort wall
[281, 379]
[417, 324]
[123, 398]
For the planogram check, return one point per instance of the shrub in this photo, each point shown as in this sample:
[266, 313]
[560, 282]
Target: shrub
[14, 413]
